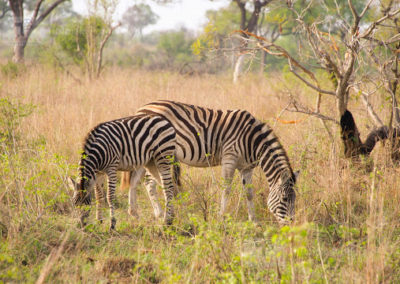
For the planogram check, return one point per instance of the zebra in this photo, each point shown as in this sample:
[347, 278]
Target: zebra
[132, 144]
[234, 139]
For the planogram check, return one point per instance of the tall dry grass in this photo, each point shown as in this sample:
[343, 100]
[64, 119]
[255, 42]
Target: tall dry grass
[350, 215]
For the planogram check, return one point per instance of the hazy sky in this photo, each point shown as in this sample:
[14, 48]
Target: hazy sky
[188, 13]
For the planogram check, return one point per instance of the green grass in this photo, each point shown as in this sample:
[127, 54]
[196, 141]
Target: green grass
[346, 228]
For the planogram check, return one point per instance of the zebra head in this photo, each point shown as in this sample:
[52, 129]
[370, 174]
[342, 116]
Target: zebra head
[81, 198]
[282, 197]
[81, 195]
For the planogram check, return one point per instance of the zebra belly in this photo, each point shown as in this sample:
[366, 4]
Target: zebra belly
[129, 164]
[206, 161]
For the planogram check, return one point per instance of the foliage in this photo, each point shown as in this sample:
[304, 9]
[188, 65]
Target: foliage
[205, 42]
[30, 186]
[225, 20]
[138, 16]
[347, 220]
[11, 69]
[175, 46]
[76, 36]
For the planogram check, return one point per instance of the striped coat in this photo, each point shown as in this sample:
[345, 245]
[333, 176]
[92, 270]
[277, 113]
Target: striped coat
[132, 144]
[236, 140]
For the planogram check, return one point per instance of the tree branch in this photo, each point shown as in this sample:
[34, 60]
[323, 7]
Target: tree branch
[366, 8]
[372, 114]
[374, 24]
[242, 9]
[102, 44]
[297, 107]
[35, 12]
[308, 83]
[36, 21]
[4, 11]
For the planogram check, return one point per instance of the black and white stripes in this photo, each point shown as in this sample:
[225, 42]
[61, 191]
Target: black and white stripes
[235, 140]
[127, 144]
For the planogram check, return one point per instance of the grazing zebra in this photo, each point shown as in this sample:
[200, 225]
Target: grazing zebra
[235, 140]
[129, 144]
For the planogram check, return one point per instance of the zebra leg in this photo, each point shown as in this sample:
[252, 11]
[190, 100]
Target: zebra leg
[246, 176]
[164, 170]
[177, 174]
[151, 187]
[112, 182]
[134, 179]
[228, 170]
[99, 192]
[84, 210]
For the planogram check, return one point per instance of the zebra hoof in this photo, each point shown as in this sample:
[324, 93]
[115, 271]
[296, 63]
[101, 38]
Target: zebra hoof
[113, 222]
[82, 223]
[168, 221]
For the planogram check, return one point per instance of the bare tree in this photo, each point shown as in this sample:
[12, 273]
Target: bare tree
[343, 56]
[137, 17]
[23, 33]
[248, 24]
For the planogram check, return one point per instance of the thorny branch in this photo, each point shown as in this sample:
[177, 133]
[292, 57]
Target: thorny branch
[296, 106]
[344, 61]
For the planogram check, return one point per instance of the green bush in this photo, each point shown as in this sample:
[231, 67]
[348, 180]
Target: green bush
[11, 69]
[79, 37]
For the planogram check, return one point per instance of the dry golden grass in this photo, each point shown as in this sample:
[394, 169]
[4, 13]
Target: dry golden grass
[354, 235]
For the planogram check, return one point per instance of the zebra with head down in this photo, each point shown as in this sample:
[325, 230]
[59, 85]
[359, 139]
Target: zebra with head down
[132, 144]
[233, 139]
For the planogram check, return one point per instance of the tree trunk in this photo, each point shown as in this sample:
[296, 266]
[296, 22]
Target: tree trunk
[262, 61]
[238, 68]
[20, 40]
[342, 93]
[22, 35]
[19, 49]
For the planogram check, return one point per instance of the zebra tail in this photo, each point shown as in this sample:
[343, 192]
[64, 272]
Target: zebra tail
[125, 180]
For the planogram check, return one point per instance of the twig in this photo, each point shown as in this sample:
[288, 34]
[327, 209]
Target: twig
[372, 114]
[51, 260]
[297, 107]
[374, 24]
[102, 44]
[282, 52]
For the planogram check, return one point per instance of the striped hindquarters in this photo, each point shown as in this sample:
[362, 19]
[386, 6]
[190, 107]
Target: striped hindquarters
[205, 137]
[201, 132]
[126, 143]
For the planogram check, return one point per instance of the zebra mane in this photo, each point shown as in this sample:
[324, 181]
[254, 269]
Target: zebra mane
[287, 173]
[89, 139]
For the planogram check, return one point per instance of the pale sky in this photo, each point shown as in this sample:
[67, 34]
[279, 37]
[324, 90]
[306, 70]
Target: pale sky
[187, 13]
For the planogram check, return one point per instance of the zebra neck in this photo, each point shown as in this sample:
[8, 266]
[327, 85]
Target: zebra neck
[87, 172]
[274, 163]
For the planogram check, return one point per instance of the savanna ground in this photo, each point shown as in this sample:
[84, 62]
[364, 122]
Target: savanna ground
[347, 218]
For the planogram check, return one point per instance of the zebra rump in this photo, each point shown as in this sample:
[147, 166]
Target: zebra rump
[129, 143]
[234, 139]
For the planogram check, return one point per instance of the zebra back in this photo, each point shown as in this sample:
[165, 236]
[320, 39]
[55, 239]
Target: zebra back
[201, 132]
[205, 135]
[123, 144]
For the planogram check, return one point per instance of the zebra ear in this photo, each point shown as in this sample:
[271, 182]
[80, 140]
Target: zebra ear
[296, 174]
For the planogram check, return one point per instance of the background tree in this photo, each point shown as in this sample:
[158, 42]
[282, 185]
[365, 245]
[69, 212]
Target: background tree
[342, 54]
[83, 40]
[4, 8]
[250, 12]
[22, 32]
[137, 17]
[174, 48]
